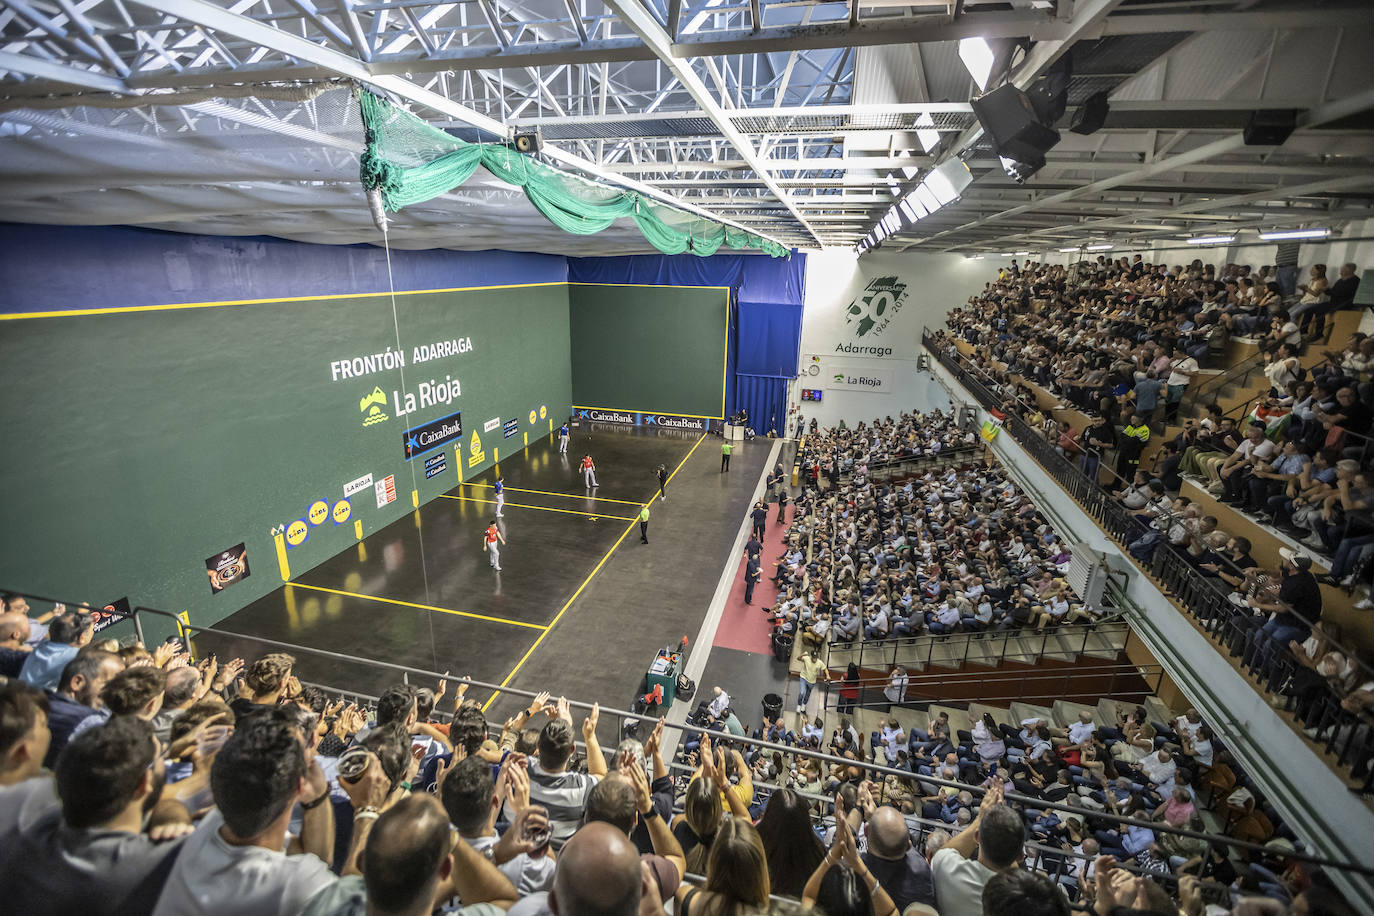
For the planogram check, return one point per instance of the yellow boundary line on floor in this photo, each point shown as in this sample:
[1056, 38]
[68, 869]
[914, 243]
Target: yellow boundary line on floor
[492, 502]
[423, 607]
[596, 569]
[604, 499]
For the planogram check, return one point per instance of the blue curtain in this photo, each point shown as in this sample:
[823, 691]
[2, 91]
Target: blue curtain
[765, 316]
[765, 397]
[768, 337]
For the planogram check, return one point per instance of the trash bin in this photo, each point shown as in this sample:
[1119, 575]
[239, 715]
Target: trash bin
[782, 647]
[772, 706]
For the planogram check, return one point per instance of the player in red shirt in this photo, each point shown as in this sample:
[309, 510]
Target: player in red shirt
[588, 471]
[490, 539]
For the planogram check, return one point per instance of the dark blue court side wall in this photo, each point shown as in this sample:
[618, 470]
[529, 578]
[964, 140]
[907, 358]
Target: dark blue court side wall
[51, 268]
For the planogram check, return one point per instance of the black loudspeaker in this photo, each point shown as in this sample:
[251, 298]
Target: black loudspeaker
[1010, 120]
[1091, 115]
[527, 143]
[1270, 128]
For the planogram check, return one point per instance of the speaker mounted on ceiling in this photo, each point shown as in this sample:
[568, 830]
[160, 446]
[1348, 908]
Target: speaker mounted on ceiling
[1091, 115]
[1013, 124]
[1270, 127]
[526, 143]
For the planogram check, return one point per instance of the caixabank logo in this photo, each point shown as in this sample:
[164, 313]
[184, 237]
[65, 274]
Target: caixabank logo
[872, 310]
[634, 418]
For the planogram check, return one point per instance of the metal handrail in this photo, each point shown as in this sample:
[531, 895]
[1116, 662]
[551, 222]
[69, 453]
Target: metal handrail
[927, 641]
[770, 745]
[762, 744]
[871, 690]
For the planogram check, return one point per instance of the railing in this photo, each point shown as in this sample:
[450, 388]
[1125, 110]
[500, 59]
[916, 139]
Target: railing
[1346, 734]
[305, 655]
[1204, 392]
[1104, 682]
[919, 651]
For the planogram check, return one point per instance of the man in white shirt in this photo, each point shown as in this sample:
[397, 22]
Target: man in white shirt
[999, 835]
[1081, 731]
[1181, 373]
[469, 796]
[1158, 767]
[234, 864]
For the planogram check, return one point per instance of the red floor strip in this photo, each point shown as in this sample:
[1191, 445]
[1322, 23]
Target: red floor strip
[746, 627]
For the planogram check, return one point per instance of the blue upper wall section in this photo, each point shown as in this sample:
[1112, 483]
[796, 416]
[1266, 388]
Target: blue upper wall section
[55, 268]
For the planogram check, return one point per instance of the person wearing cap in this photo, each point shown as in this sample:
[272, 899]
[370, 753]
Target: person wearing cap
[1298, 603]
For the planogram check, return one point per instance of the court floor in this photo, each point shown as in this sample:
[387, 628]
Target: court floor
[420, 592]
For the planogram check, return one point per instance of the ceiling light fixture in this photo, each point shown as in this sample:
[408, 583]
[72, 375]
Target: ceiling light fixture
[1068, 249]
[1212, 240]
[1283, 234]
[1099, 248]
[926, 132]
[978, 57]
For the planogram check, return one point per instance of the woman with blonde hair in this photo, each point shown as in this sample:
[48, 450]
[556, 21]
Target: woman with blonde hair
[736, 875]
[695, 828]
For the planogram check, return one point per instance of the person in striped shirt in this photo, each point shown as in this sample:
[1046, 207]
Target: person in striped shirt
[563, 792]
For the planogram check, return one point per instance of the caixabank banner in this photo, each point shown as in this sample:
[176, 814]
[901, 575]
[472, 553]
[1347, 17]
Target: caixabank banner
[635, 418]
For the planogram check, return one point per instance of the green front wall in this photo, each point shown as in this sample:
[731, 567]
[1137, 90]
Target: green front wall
[138, 444]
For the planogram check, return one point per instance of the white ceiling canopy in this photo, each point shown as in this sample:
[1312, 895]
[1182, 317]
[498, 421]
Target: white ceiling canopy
[804, 123]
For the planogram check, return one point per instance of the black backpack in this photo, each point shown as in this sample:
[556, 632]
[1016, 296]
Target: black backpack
[686, 687]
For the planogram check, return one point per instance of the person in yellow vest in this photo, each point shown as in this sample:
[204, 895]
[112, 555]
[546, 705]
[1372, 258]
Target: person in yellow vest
[1133, 440]
[725, 450]
[644, 525]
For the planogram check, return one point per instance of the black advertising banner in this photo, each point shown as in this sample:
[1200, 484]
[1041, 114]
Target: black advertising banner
[428, 436]
[512, 427]
[113, 612]
[435, 464]
[227, 567]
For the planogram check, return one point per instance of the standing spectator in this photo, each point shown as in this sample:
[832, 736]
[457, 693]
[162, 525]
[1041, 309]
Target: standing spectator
[1340, 295]
[759, 516]
[24, 734]
[410, 866]
[77, 696]
[1181, 373]
[472, 804]
[1133, 440]
[752, 575]
[67, 635]
[88, 853]
[561, 791]
[234, 862]
[998, 834]
[892, 858]
[662, 475]
[812, 671]
[725, 450]
[644, 524]
[14, 644]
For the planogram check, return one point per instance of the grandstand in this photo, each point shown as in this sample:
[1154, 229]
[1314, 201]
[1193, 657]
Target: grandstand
[630, 458]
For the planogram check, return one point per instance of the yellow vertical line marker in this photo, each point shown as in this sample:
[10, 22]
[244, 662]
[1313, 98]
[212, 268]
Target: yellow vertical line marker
[527, 438]
[284, 566]
[358, 528]
[415, 498]
[496, 459]
[596, 569]
[458, 465]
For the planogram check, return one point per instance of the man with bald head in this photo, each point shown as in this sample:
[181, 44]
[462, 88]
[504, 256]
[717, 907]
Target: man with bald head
[14, 643]
[894, 861]
[599, 874]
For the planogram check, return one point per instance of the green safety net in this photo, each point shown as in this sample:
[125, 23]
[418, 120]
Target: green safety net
[411, 161]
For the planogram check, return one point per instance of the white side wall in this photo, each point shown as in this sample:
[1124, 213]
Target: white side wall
[924, 287]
